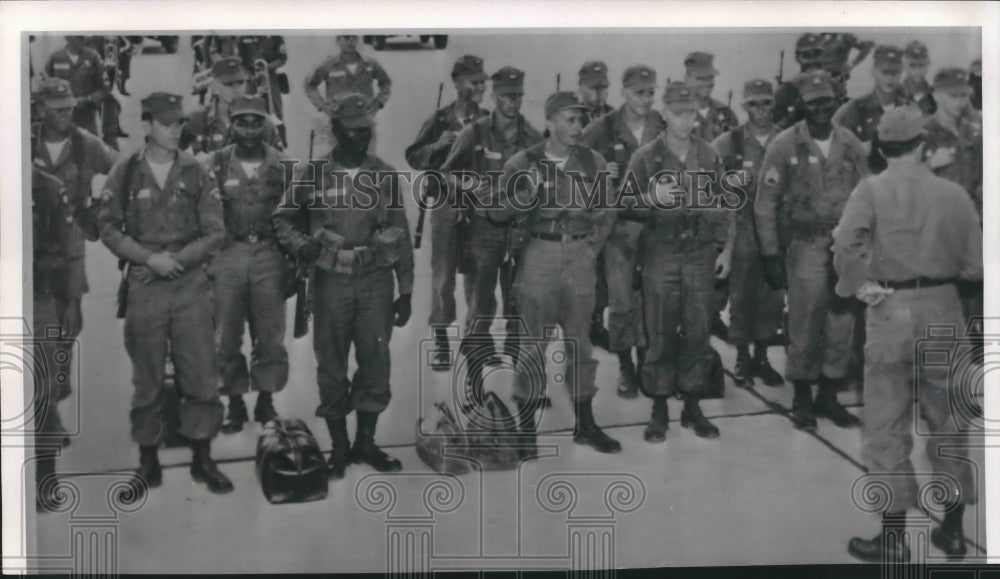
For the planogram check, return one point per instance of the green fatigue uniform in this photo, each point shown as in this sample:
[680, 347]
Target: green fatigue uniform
[421, 156]
[801, 194]
[755, 313]
[86, 78]
[270, 49]
[365, 238]
[611, 137]
[679, 249]
[556, 271]
[715, 120]
[480, 148]
[137, 219]
[249, 274]
[926, 237]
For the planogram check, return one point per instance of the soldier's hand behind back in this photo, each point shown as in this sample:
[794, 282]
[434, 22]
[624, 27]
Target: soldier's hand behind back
[401, 309]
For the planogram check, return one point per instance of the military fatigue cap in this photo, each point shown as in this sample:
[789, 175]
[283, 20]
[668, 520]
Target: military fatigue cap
[228, 69]
[594, 73]
[808, 41]
[679, 96]
[916, 51]
[639, 77]
[901, 124]
[952, 79]
[757, 90]
[508, 80]
[56, 93]
[351, 109]
[561, 101]
[815, 84]
[248, 105]
[888, 58]
[470, 67]
[700, 64]
[164, 107]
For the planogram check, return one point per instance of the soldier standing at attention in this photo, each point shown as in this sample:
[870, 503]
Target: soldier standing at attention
[347, 72]
[861, 115]
[617, 136]
[915, 85]
[429, 152]
[756, 308]
[161, 212]
[807, 174]
[350, 223]
[249, 272]
[687, 245]
[905, 237]
[483, 147]
[556, 272]
[593, 90]
[84, 69]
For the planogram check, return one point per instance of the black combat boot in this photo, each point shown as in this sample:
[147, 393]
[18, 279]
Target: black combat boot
[528, 441]
[203, 468]
[599, 335]
[656, 430]
[263, 411]
[949, 537]
[46, 498]
[802, 406]
[744, 367]
[588, 432]
[236, 416]
[365, 451]
[827, 405]
[441, 361]
[691, 417]
[148, 475]
[628, 379]
[888, 547]
[340, 454]
[762, 367]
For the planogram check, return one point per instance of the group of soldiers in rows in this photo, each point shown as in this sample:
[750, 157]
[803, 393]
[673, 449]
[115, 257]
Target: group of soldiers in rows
[205, 235]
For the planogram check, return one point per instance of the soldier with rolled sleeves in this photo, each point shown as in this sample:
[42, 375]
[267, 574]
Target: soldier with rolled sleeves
[915, 85]
[350, 223]
[429, 152]
[810, 56]
[84, 69]
[593, 90]
[249, 272]
[161, 212]
[954, 151]
[482, 147]
[861, 115]
[756, 308]
[807, 174]
[347, 72]
[686, 246]
[905, 237]
[616, 137]
[714, 118]
[543, 189]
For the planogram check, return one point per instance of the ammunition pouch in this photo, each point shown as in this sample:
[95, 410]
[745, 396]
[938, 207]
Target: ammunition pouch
[388, 246]
[330, 244]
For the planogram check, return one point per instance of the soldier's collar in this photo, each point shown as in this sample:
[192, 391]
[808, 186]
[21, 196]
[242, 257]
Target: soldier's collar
[180, 157]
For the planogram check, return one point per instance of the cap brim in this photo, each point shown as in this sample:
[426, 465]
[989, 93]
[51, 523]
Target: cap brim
[169, 117]
[591, 83]
[818, 95]
[357, 122]
[964, 89]
[757, 98]
[508, 89]
[61, 102]
[682, 106]
[889, 67]
[235, 114]
[224, 78]
[641, 84]
[701, 71]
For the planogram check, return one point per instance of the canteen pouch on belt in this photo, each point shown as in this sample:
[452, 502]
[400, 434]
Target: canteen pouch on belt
[330, 244]
[387, 246]
[290, 464]
[447, 432]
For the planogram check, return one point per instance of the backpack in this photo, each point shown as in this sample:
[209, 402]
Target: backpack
[290, 465]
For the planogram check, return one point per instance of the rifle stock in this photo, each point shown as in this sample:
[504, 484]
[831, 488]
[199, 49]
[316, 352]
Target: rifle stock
[122, 290]
[418, 236]
[301, 327]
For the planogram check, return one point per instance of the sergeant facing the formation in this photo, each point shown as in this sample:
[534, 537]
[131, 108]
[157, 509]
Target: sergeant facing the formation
[687, 245]
[429, 152]
[249, 273]
[617, 136]
[208, 129]
[755, 312]
[350, 223]
[556, 267]
[807, 174]
[84, 69]
[483, 147]
[904, 238]
[161, 212]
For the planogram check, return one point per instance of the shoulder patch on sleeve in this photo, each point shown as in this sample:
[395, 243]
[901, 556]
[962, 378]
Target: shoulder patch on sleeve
[771, 177]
